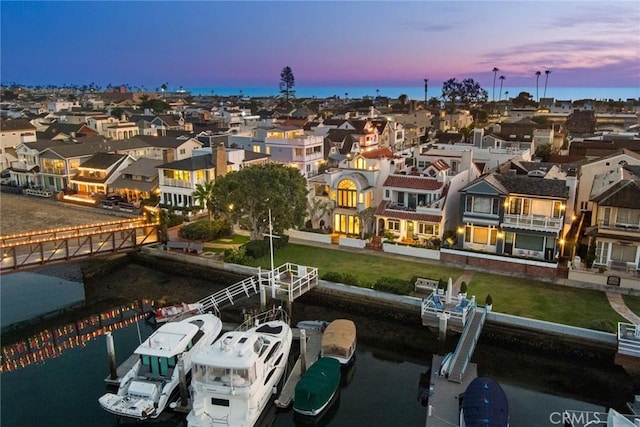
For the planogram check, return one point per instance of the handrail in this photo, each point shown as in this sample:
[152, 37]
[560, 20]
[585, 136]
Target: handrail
[476, 336]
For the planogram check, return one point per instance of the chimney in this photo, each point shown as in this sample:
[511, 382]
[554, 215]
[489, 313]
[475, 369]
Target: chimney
[219, 159]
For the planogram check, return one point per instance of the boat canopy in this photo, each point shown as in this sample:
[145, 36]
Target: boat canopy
[340, 333]
[485, 404]
[317, 385]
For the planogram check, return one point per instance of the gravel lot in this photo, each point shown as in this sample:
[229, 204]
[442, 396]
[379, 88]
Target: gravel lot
[20, 214]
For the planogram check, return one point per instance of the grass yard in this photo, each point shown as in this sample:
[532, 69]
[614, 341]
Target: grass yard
[543, 301]
[633, 303]
[236, 239]
[367, 268]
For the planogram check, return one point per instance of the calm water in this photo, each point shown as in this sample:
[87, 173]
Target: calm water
[383, 390]
[417, 91]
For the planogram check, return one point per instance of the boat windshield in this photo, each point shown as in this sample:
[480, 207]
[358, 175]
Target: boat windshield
[215, 375]
[157, 365]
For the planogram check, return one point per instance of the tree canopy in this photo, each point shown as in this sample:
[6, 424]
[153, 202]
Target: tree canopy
[157, 105]
[203, 195]
[467, 92]
[287, 82]
[250, 192]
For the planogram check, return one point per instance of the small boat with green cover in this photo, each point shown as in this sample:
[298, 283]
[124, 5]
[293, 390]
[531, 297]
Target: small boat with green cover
[317, 387]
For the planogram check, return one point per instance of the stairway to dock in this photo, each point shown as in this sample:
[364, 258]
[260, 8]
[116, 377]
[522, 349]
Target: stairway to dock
[466, 345]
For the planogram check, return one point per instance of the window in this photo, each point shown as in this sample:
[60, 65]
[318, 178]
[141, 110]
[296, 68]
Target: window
[482, 205]
[519, 206]
[424, 228]
[628, 217]
[532, 243]
[393, 224]
[626, 253]
[558, 207]
[347, 193]
[183, 151]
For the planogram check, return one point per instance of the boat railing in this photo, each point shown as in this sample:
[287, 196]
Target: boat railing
[276, 313]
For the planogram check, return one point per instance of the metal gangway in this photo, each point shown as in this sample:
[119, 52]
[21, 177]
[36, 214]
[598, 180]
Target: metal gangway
[466, 344]
[286, 283]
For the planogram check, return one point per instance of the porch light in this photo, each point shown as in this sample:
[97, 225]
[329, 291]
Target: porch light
[561, 241]
[500, 235]
[563, 207]
[573, 218]
[460, 230]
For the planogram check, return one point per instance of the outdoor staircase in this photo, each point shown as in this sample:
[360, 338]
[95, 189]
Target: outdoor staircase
[466, 345]
[245, 288]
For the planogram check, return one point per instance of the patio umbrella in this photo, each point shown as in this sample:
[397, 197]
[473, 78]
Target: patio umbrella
[449, 291]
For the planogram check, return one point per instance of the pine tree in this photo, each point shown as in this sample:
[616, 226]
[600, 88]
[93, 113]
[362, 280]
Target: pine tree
[287, 82]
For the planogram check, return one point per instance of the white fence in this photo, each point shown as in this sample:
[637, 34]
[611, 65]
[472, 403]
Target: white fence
[413, 251]
[312, 237]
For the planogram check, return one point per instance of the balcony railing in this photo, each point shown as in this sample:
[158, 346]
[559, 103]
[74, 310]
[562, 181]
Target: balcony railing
[538, 222]
[619, 226]
[180, 183]
[56, 171]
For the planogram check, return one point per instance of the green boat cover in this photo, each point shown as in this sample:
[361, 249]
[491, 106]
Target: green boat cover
[317, 385]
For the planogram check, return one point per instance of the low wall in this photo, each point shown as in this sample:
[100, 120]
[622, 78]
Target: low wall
[493, 262]
[348, 242]
[311, 237]
[602, 280]
[412, 251]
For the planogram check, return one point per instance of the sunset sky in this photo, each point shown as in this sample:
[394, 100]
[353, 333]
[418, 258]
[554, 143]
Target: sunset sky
[247, 43]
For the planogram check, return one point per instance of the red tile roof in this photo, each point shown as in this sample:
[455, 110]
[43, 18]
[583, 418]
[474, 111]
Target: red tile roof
[412, 182]
[377, 153]
[407, 215]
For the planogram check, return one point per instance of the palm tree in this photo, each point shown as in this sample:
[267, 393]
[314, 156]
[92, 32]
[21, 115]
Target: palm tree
[203, 195]
[501, 82]
[537, 78]
[495, 72]
[546, 79]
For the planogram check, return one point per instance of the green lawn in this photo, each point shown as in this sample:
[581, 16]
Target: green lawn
[543, 301]
[367, 268]
[235, 239]
[511, 295]
[633, 303]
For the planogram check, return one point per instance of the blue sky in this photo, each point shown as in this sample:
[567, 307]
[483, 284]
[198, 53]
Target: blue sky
[247, 43]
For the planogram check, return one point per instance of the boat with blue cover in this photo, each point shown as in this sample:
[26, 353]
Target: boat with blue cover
[484, 404]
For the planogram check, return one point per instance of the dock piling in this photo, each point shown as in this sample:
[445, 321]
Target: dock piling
[111, 352]
[303, 351]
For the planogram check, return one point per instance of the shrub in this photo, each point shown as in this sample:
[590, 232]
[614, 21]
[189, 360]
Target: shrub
[235, 256]
[332, 276]
[394, 285]
[350, 279]
[257, 248]
[206, 231]
[489, 300]
[279, 242]
[463, 287]
[602, 325]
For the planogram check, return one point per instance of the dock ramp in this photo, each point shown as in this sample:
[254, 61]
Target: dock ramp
[466, 345]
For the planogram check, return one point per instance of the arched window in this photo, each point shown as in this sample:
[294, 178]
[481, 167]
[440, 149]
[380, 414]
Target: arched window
[347, 194]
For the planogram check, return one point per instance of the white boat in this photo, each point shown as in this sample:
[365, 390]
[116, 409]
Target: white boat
[445, 365]
[147, 388]
[175, 312]
[339, 341]
[235, 378]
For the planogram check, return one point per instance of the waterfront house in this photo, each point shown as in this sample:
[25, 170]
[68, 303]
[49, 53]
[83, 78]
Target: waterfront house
[138, 181]
[516, 214]
[167, 148]
[418, 208]
[101, 123]
[66, 131]
[24, 172]
[615, 223]
[354, 186]
[60, 162]
[98, 172]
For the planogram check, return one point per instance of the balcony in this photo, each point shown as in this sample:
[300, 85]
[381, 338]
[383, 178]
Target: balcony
[179, 183]
[533, 222]
[54, 171]
[625, 228]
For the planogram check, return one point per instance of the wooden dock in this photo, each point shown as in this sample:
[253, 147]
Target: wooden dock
[314, 341]
[443, 410]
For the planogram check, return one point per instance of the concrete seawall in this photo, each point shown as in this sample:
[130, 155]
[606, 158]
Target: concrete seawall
[408, 308]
